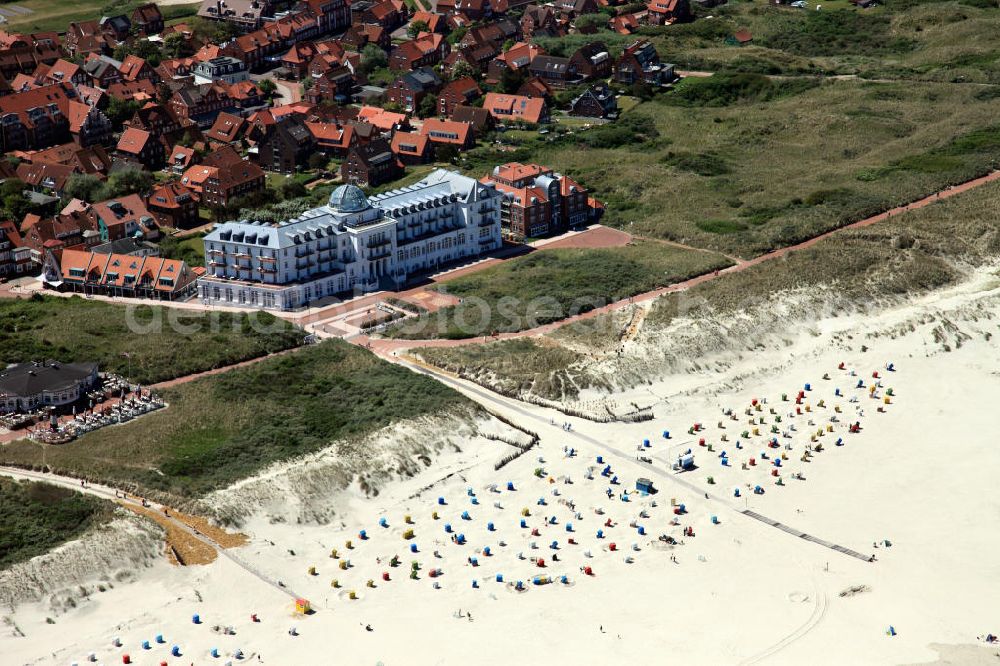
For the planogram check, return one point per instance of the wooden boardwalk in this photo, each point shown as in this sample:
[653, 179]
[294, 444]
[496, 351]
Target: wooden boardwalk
[803, 535]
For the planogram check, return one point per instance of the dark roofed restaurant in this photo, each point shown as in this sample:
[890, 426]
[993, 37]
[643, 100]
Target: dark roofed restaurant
[28, 386]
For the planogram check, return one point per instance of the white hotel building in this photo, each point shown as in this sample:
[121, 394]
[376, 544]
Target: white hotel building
[352, 244]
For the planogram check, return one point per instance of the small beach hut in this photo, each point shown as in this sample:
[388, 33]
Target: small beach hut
[302, 606]
[644, 485]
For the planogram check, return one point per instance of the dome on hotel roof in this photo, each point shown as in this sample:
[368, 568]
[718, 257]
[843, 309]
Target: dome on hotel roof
[348, 199]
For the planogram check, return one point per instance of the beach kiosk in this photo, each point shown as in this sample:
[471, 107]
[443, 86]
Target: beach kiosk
[302, 606]
[644, 486]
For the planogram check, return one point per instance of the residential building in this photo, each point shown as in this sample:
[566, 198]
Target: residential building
[595, 102]
[147, 19]
[515, 108]
[370, 164]
[221, 68]
[410, 89]
[124, 217]
[174, 205]
[139, 147]
[412, 148]
[537, 201]
[285, 145]
[463, 91]
[119, 275]
[448, 132]
[351, 244]
[222, 177]
[640, 63]
[665, 12]
[427, 50]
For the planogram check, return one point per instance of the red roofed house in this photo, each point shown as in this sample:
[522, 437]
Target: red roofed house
[134, 68]
[412, 148]
[140, 147]
[35, 118]
[147, 19]
[174, 205]
[514, 108]
[222, 177]
[119, 275]
[124, 217]
[427, 50]
[538, 201]
[448, 132]
[463, 91]
[664, 12]
[331, 138]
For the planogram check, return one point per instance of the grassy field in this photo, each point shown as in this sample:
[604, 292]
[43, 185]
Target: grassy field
[549, 285]
[56, 15]
[910, 254]
[744, 164]
[225, 427]
[37, 517]
[76, 329]
[912, 39]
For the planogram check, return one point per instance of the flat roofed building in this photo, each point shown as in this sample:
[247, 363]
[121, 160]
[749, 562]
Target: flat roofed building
[351, 244]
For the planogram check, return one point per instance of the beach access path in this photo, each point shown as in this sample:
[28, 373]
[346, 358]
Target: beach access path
[143, 507]
[385, 345]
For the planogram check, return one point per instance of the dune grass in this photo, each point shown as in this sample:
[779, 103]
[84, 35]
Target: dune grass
[743, 169]
[37, 517]
[162, 343]
[550, 285]
[225, 427]
[907, 255]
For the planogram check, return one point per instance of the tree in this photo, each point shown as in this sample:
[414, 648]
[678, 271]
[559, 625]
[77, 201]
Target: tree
[293, 189]
[267, 87]
[591, 22]
[176, 46]
[511, 80]
[428, 106]
[82, 186]
[142, 48]
[131, 180]
[462, 69]
[15, 204]
[372, 58]
[317, 161]
[119, 110]
[416, 28]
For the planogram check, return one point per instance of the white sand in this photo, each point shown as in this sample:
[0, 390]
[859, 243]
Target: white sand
[920, 475]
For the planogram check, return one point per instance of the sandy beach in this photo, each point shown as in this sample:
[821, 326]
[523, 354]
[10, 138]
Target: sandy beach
[913, 487]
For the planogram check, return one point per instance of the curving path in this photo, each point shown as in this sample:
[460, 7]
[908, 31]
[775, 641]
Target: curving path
[108, 493]
[384, 345]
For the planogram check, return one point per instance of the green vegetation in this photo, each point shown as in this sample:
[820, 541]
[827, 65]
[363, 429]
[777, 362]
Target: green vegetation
[550, 285]
[907, 255]
[189, 250]
[162, 342]
[728, 88]
[225, 427]
[55, 15]
[37, 517]
[750, 176]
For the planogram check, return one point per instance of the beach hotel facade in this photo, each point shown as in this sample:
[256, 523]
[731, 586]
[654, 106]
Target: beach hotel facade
[352, 244]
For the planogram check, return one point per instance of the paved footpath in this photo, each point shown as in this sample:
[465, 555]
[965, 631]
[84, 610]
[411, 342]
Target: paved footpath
[382, 345]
